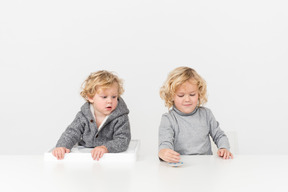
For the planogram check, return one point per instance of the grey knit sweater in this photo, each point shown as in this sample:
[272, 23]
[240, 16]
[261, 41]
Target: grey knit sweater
[114, 135]
[188, 134]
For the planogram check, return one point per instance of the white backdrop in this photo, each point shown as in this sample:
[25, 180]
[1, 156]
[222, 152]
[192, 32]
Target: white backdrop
[48, 48]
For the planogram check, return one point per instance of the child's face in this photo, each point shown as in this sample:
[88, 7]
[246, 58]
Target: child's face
[105, 100]
[186, 97]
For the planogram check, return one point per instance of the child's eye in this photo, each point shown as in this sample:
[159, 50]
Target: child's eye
[180, 95]
[192, 95]
[114, 97]
[104, 97]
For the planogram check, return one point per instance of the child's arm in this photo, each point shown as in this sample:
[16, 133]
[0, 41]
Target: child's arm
[121, 136]
[72, 134]
[218, 136]
[166, 140]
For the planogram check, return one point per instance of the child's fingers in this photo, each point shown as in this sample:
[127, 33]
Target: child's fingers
[229, 155]
[53, 153]
[93, 154]
[169, 155]
[62, 152]
[100, 154]
[97, 155]
[226, 154]
[58, 154]
[173, 158]
[223, 153]
[176, 157]
[170, 160]
[174, 153]
[219, 152]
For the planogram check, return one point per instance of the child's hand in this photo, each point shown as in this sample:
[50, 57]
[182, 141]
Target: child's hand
[224, 153]
[169, 155]
[98, 152]
[59, 152]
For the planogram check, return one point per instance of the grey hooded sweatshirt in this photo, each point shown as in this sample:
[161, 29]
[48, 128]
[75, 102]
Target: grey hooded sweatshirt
[114, 135]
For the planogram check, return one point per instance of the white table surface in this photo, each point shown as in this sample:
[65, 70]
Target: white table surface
[199, 173]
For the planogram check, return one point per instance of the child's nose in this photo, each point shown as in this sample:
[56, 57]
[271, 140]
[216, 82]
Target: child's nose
[187, 98]
[109, 100]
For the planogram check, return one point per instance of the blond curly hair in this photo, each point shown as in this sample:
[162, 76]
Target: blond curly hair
[100, 80]
[176, 78]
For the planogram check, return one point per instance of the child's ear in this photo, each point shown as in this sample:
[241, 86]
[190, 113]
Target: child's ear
[90, 99]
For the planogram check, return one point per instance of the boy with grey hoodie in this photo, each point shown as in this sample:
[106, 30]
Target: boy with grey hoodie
[102, 123]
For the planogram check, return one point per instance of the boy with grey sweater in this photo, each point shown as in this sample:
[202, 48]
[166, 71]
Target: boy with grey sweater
[102, 123]
[186, 128]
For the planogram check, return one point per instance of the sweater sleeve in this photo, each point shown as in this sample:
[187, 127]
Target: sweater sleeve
[72, 134]
[166, 134]
[218, 136]
[121, 136]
